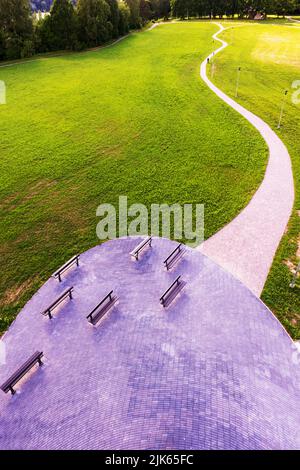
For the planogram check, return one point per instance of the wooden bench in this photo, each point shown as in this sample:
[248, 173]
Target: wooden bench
[140, 247]
[170, 294]
[66, 293]
[174, 256]
[102, 308]
[67, 265]
[14, 378]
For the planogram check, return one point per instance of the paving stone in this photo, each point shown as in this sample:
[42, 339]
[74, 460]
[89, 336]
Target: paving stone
[213, 370]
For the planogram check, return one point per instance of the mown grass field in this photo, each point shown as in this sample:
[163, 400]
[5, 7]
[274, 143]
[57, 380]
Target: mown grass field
[270, 59]
[133, 119]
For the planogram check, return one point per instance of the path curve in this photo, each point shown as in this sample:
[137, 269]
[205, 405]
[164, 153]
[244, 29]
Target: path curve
[292, 19]
[247, 245]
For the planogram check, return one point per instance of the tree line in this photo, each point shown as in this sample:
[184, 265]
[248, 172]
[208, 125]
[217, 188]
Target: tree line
[70, 26]
[243, 8]
[81, 24]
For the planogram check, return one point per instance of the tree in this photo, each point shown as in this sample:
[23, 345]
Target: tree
[164, 9]
[219, 8]
[179, 8]
[284, 7]
[124, 18]
[145, 10]
[232, 7]
[60, 26]
[17, 28]
[44, 36]
[2, 45]
[134, 7]
[94, 25]
[114, 17]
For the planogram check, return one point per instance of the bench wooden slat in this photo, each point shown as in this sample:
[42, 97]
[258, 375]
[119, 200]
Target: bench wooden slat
[98, 312]
[174, 289]
[140, 247]
[67, 265]
[174, 256]
[51, 307]
[16, 376]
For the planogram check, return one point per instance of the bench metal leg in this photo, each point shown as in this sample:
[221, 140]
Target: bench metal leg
[70, 294]
[12, 390]
[59, 277]
[40, 361]
[77, 261]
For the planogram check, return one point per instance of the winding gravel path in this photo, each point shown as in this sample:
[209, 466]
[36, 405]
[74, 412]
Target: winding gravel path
[247, 245]
[292, 19]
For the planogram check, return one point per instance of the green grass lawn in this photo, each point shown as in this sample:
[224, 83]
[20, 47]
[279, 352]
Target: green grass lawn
[270, 60]
[134, 119]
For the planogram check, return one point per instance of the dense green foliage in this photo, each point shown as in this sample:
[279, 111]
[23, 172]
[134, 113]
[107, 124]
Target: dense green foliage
[78, 24]
[270, 61]
[16, 29]
[58, 30]
[90, 23]
[94, 25]
[114, 17]
[134, 119]
[242, 8]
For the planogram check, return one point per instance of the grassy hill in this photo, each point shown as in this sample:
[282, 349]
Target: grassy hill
[133, 119]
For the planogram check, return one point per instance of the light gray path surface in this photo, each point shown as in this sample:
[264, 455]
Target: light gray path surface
[292, 19]
[247, 245]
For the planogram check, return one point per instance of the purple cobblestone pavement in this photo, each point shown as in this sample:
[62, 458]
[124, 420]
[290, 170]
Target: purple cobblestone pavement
[215, 370]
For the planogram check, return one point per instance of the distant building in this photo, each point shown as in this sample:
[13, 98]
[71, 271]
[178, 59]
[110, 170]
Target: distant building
[260, 16]
[41, 14]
